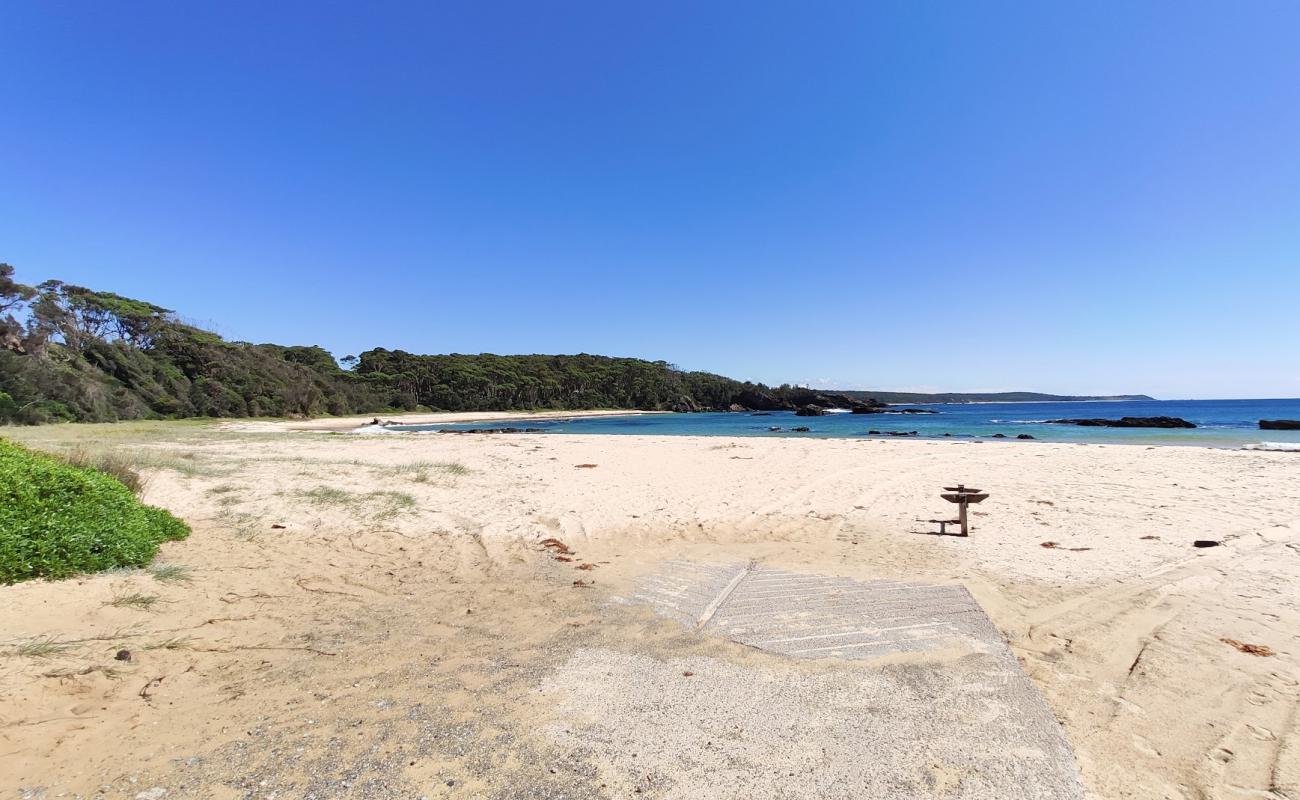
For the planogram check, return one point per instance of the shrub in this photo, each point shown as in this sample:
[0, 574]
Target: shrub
[58, 520]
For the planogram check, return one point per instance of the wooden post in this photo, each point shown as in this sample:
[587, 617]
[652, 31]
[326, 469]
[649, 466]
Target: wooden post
[962, 505]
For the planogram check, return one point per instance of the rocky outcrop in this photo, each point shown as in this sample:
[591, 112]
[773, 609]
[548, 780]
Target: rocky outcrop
[800, 429]
[1279, 424]
[809, 410]
[809, 397]
[1024, 436]
[494, 430]
[755, 400]
[685, 404]
[1128, 422]
[881, 408]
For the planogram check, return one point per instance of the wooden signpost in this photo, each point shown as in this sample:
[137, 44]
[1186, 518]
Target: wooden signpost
[962, 496]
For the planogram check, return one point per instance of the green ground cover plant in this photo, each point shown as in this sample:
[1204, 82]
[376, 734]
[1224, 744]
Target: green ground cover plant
[59, 520]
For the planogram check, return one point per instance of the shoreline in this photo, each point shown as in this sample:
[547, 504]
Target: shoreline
[426, 418]
[814, 436]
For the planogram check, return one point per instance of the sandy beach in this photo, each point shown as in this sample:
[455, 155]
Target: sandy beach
[432, 418]
[359, 616]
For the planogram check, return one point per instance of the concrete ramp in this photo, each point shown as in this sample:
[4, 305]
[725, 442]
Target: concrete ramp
[819, 616]
[878, 690]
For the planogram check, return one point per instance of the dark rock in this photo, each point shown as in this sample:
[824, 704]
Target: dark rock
[760, 401]
[1024, 436]
[909, 411]
[947, 434]
[736, 407]
[761, 414]
[1279, 424]
[800, 429]
[873, 433]
[1206, 543]
[494, 430]
[123, 655]
[1128, 422]
[776, 428]
[999, 436]
[685, 405]
[809, 411]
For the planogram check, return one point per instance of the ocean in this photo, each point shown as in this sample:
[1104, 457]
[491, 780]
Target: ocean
[1220, 423]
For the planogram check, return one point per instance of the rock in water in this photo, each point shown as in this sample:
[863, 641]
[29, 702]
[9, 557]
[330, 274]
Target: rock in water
[1279, 424]
[494, 430]
[809, 411]
[1128, 422]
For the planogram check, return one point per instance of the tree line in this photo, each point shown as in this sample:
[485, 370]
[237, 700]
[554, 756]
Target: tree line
[70, 353]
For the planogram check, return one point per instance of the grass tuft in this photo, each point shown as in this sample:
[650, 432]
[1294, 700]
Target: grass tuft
[174, 643]
[170, 573]
[421, 471]
[44, 647]
[118, 464]
[144, 602]
[389, 503]
[328, 495]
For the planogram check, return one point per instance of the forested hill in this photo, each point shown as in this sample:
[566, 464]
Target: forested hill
[72, 353]
[493, 382]
[69, 353]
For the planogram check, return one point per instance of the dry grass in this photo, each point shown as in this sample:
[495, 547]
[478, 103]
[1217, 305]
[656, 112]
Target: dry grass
[174, 643]
[44, 647]
[170, 573]
[139, 600]
[119, 464]
[383, 504]
[423, 471]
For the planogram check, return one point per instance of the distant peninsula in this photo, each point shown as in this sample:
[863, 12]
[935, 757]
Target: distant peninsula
[984, 397]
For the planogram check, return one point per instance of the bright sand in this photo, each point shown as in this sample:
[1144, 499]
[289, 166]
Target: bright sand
[360, 607]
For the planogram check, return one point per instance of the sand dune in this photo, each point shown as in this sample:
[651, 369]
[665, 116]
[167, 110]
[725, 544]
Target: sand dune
[373, 617]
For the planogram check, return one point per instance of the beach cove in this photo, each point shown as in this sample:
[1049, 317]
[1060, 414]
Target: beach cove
[399, 586]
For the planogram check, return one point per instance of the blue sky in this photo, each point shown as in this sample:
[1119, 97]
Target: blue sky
[1099, 197]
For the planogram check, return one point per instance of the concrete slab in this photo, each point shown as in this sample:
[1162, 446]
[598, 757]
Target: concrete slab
[946, 713]
[816, 615]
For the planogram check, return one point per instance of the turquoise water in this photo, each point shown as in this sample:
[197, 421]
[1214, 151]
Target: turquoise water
[1222, 423]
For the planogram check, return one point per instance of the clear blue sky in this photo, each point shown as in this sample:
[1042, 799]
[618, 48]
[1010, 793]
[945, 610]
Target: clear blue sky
[1081, 197]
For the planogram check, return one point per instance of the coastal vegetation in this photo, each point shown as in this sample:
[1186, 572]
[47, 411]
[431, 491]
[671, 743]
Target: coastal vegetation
[70, 353]
[58, 519]
[73, 354]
